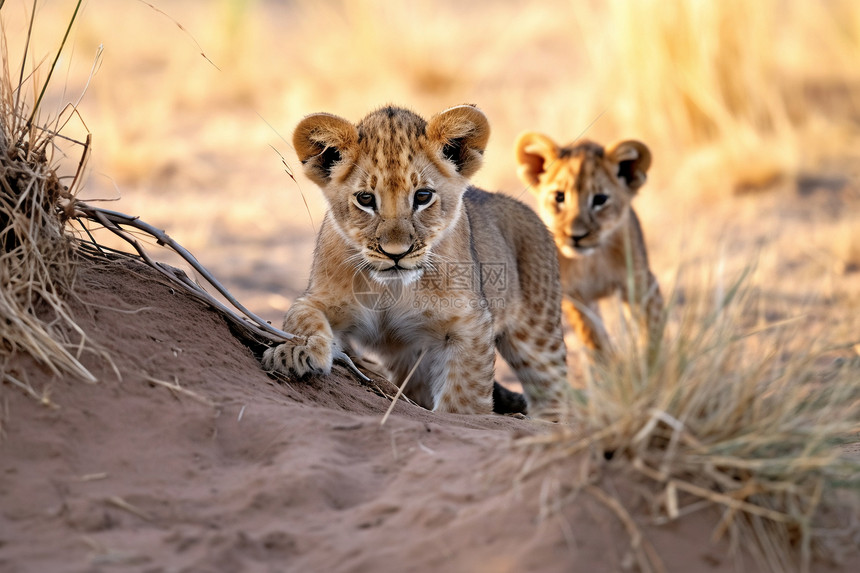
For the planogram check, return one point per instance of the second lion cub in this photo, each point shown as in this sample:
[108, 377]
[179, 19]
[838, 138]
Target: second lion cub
[584, 193]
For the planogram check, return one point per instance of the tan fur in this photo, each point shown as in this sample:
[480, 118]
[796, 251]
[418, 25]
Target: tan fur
[593, 239]
[471, 271]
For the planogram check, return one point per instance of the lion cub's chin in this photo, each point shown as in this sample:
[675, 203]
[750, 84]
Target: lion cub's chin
[406, 276]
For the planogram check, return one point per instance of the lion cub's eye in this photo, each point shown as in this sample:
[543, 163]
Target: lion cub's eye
[559, 196]
[422, 197]
[366, 199]
[599, 200]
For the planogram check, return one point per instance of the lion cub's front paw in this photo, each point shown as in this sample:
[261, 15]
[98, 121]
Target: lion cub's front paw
[313, 357]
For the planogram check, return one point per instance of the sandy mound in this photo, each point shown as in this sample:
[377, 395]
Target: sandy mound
[237, 472]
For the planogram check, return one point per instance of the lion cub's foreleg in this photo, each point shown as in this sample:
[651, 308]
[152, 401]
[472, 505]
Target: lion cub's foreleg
[455, 373]
[467, 357]
[312, 351]
[587, 323]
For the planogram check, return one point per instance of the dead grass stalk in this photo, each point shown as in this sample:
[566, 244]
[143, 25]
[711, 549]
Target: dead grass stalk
[36, 268]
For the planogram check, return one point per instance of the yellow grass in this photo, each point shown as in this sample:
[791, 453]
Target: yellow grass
[744, 414]
[728, 97]
[679, 74]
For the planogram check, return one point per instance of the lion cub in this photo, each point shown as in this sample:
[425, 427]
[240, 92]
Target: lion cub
[418, 267]
[584, 193]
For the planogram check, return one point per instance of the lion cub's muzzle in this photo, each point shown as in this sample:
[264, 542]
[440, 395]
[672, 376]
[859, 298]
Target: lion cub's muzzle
[391, 260]
[578, 244]
[395, 252]
[396, 262]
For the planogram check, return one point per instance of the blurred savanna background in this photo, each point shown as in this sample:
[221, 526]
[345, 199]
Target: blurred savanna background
[751, 215]
[752, 112]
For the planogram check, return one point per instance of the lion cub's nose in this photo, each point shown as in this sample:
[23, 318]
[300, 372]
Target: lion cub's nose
[395, 251]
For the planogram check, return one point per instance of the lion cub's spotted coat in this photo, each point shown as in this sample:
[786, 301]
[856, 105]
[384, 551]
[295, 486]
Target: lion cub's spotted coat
[584, 193]
[456, 271]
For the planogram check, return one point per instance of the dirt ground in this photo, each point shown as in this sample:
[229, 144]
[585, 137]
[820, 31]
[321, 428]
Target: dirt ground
[238, 472]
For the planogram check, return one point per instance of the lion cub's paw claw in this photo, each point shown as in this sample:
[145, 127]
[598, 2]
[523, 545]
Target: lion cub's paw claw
[300, 360]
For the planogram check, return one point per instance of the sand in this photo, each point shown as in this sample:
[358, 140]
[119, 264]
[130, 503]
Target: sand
[240, 472]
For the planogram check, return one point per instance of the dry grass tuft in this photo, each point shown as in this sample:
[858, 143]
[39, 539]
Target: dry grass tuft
[36, 267]
[732, 415]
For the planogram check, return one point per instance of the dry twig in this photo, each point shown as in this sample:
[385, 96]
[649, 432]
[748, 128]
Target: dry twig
[246, 320]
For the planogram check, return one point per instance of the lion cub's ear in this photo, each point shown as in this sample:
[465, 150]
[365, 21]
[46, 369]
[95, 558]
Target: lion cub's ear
[462, 133]
[633, 160]
[321, 140]
[535, 152]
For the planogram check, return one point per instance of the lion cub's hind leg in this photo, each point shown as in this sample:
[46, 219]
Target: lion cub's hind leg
[648, 309]
[534, 348]
[653, 318]
[538, 359]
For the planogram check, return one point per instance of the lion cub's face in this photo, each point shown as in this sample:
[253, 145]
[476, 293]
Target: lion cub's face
[394, 182]
[583, 191]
